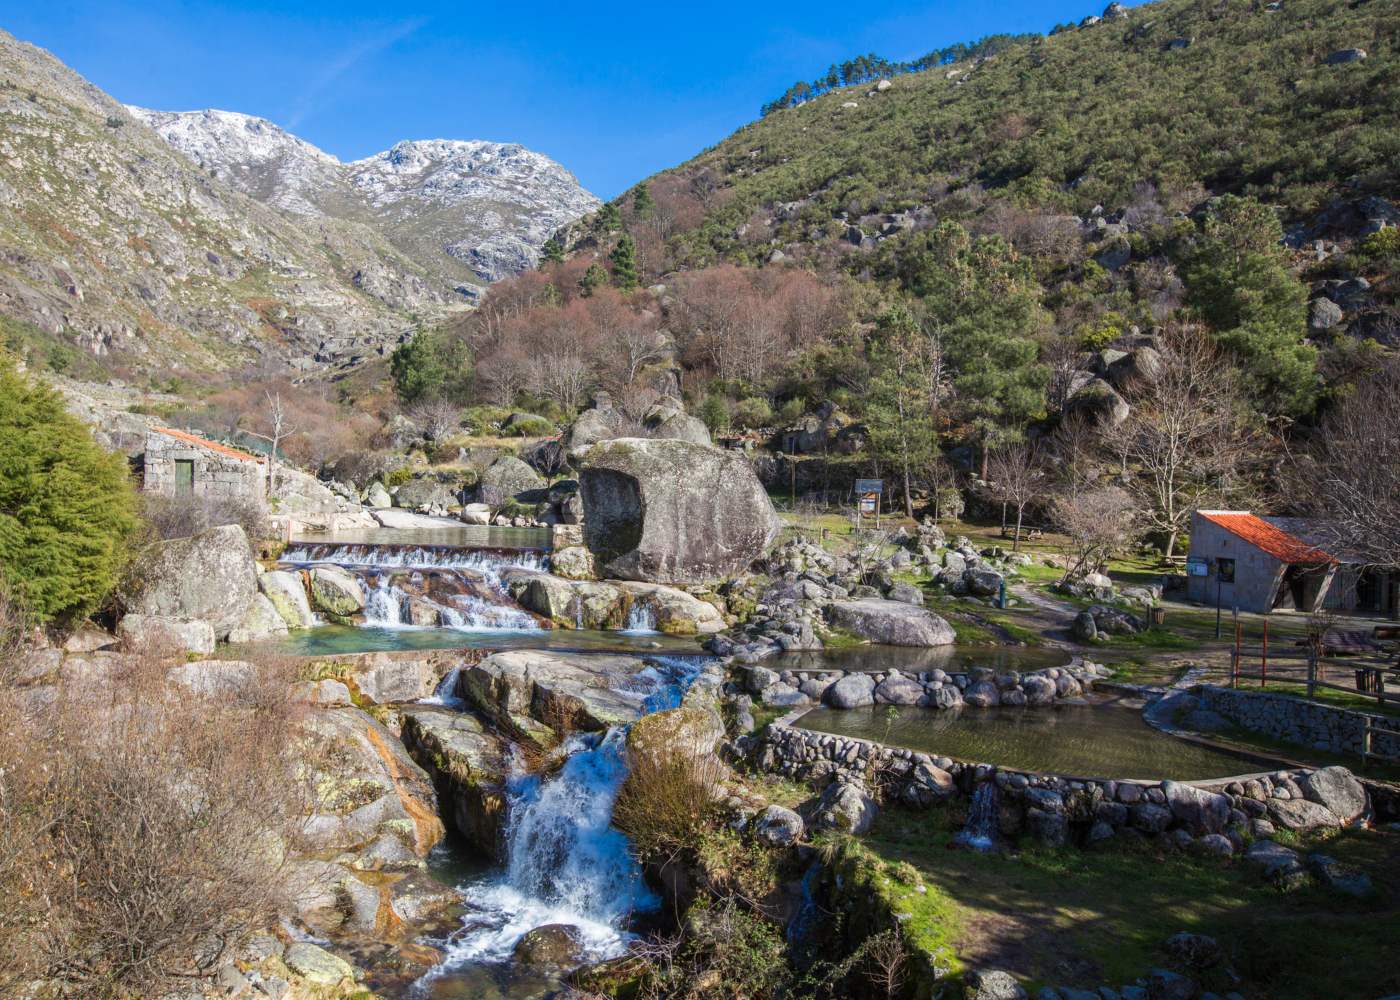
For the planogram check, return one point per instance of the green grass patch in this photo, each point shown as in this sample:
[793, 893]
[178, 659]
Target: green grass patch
[1086, 918]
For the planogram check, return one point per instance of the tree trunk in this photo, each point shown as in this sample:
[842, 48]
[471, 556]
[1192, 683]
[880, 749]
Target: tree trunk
[1016, 542]
[908, 499]
[1171, 545]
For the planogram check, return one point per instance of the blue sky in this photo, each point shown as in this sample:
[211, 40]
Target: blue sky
[615, 92]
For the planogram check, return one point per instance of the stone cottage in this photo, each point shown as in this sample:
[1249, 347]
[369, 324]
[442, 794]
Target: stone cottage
[1244, 561]
[179, 463]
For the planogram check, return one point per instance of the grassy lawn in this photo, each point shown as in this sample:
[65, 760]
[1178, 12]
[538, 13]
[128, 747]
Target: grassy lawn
[1086, 918]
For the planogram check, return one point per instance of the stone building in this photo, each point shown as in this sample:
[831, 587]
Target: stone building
[178, 463]
[1246, 562]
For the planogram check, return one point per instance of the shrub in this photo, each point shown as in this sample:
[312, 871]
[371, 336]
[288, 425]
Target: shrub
[144, 836]
[67, 507]
[664, 802]
[752, 413]
[397, 477]
[530, 426]
[1381, 248]
[183, 516]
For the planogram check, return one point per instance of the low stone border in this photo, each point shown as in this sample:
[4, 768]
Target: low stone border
[1215, 816]
[1293, 720]
[981, 686]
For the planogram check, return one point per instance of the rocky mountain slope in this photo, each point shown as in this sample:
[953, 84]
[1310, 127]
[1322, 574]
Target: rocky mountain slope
[248, 248]
[467, 212]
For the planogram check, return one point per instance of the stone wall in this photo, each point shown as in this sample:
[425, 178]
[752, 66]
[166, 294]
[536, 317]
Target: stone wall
[1215, 816]
[1279, 716]
[218, 472]
[980, 686]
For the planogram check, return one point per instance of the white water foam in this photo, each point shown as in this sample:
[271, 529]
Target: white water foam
[566, 863]
[641, 620]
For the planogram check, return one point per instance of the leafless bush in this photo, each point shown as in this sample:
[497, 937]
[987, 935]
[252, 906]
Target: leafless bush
[145, 830]
[663, 803]
[1097, 523]
[438, 418]
[183, 516]
[887, 963]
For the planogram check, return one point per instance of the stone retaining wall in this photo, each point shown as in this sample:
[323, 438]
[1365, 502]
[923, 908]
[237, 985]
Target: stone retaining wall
[1279, 716]
[980, 687]
[1214, 816]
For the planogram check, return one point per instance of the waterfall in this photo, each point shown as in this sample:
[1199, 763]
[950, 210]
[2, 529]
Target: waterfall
[446, 692]
[384, 604]
[641, 620]
[488, 562]
[979, 833]
[565, 863]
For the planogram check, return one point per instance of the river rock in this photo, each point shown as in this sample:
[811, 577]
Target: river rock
[378, 496]
[1301, 816]
[982, 694]
[586, 604]
[845, 806]
[368, 786]
[777, 826]
[468, 767]
[673, 511]
[160, 635]
[675, 611]
[890, 622]
[336, 591]
[1198, 810]
[574, 562]
[1337, 790]
[682, 427]
[580, 692]
[316, 965]
[992, 984]
[676, 734]
[982, 582]
[261, 622]
[1039, 689]
[896, 689]
[506, 477]
[553, 946]
[851, 691]
[209, 577]
[287, 594]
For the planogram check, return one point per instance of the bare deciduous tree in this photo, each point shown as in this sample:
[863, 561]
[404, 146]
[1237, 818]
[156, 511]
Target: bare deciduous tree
[1187, 435]
[1017, 476]
[1351, 472]
[279, 428]
[1097, 522]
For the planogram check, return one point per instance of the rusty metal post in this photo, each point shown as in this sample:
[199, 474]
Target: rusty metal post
[1264, 657]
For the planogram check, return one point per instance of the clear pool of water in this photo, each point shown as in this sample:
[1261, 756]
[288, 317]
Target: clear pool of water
[952, 659]
[332, 640]
[1087, 741]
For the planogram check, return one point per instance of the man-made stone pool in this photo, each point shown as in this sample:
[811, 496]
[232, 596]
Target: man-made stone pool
[448, 534]
[1090, 741]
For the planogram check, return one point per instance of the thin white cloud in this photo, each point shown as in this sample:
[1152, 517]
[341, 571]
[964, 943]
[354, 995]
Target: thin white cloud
[312, 96]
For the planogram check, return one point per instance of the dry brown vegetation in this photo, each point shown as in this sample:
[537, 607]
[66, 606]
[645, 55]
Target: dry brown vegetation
[666, 799]
[146, 827]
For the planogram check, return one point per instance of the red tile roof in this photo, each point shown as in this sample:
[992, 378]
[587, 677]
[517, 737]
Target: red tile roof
[222, 449]
[1268, 538]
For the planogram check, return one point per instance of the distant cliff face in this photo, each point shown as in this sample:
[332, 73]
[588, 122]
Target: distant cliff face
[466, 211]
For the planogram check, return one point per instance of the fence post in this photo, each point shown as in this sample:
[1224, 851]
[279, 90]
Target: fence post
[1264, 657]
[1312, 670]
[1366, 740]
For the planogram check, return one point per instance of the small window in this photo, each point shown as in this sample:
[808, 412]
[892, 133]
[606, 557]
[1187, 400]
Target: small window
[1225, 570]
[184, 476]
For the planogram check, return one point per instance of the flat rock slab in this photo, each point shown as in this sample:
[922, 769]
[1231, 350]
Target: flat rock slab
[572, 690]
[892, 623]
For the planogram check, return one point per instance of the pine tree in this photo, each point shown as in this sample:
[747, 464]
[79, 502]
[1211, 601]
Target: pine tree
[594, 278]
[67, 507]
[642, 205]
[552, 252]
[624, 262]
[906, 382]
[608, 218]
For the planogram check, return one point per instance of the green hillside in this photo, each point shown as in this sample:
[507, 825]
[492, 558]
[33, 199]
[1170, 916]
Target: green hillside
[1191, 96]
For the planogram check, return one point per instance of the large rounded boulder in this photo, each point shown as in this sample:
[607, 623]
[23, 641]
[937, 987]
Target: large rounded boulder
[209, 577]
[672, 511]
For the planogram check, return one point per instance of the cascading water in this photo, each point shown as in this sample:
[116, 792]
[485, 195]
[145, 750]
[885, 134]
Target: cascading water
[641, 619]
[565, 862]
[483, 603]
[979, 833]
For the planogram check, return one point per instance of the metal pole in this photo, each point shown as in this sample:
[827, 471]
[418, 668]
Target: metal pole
[1264, 658]
[1217, 602]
